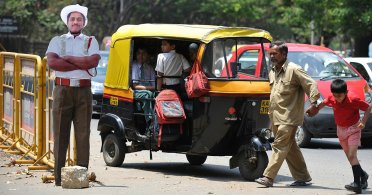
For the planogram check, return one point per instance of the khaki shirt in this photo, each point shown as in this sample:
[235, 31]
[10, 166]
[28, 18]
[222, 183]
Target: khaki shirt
[287, 98]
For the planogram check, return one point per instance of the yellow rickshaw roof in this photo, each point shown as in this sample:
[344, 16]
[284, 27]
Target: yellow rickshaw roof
[203, 33]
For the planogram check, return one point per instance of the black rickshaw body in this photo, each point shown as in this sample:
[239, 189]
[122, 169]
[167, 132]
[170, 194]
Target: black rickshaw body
[229, 120]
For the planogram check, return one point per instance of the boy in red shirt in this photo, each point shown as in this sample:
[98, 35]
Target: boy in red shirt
[349, 127]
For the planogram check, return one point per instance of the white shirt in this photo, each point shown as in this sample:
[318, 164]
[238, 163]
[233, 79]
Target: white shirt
[67, 45]
[149, 74]
[171, 64]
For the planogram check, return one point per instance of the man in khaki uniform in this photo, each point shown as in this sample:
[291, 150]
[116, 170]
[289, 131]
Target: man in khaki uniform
[72, 56]
[288, 83]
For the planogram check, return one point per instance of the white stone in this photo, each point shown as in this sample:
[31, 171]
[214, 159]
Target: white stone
[74, 177]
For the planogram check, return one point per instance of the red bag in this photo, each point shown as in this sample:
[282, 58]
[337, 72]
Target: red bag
[169, 109]
[197, 83]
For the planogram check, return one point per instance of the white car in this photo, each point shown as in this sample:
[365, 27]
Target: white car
[363, 66]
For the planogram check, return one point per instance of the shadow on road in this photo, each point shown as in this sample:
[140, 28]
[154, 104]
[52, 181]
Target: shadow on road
[96, 116]
[324, 144]
[328, 143]
[312, 186]
[206, 171]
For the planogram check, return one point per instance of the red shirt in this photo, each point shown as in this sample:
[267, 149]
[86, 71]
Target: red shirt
[347, 112]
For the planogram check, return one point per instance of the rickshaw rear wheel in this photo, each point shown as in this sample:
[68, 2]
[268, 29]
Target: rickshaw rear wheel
[196, 159]
[113, 150]
[253, 167]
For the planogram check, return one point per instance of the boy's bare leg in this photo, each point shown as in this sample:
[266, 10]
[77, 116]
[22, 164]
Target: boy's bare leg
[351, 154]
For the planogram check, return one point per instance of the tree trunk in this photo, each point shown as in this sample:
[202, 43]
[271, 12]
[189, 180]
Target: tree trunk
[361, 46]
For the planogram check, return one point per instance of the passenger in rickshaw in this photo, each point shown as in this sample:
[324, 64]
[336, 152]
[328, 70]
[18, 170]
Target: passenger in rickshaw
[193, 50]
[143, 76]
[171, 64]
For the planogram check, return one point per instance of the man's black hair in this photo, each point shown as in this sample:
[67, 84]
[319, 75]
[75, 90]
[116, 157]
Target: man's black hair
[282, 46]
[338, 86]
[171, 42]
[143, 48]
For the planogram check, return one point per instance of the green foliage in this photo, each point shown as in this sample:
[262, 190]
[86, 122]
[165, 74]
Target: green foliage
[21, 10]
[39, 20]
[356, 17]
[284, 19]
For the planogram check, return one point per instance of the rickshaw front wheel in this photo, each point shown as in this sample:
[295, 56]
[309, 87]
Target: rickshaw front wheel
[196, 159]
[253, 167]
[113, 150]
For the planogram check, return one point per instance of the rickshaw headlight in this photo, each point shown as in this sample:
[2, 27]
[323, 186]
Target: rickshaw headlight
[265, 133]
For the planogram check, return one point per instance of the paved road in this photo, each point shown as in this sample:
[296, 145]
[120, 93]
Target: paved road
[171, 174]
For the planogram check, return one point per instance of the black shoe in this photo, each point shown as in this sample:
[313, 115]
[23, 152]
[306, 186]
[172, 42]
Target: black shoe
[354, 187]
[364, 181]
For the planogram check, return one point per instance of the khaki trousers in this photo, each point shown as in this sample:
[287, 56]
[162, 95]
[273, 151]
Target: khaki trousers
[285, 148]
[71, 104]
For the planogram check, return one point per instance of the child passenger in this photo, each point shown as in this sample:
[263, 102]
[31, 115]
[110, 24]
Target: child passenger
[349, 127]
[170, 63]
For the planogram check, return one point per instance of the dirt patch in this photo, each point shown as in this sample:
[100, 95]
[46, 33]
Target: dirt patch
[12, 174]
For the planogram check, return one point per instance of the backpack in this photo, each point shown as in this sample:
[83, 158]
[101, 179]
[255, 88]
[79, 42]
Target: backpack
[169, 110]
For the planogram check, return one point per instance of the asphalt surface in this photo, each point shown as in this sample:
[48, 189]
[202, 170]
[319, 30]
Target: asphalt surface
[171, 173]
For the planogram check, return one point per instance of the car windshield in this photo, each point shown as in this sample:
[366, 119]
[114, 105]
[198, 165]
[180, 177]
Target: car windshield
[369, 65]
[323, 65]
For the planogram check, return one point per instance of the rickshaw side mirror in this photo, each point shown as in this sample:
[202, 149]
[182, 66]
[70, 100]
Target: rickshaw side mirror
[235, 67]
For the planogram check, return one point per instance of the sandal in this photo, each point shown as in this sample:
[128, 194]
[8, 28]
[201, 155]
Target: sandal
[300, 183]
[265, 181]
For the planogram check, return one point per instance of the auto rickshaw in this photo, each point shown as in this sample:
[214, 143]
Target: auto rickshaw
[231, 119]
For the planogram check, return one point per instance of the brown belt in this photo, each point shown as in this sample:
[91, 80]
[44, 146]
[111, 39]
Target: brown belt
[72, 82]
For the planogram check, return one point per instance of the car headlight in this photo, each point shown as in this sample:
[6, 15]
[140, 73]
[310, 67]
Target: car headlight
[265, 133]
[97, 87]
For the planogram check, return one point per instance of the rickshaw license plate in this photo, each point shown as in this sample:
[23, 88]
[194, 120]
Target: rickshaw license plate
[114, 101]
[264, 108]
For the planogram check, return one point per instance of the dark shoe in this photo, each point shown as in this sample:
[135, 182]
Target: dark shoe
[265, 181]
[354, 187]
[300, 183]
[364, 181]
[58, 183]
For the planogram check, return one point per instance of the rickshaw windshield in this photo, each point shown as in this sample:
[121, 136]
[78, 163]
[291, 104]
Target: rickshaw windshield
[242, 64]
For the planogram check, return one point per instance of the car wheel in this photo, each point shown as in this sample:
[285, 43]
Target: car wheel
[113, 150]
[366, 141]
[303, 137]
[196, 159]
[253, 167]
